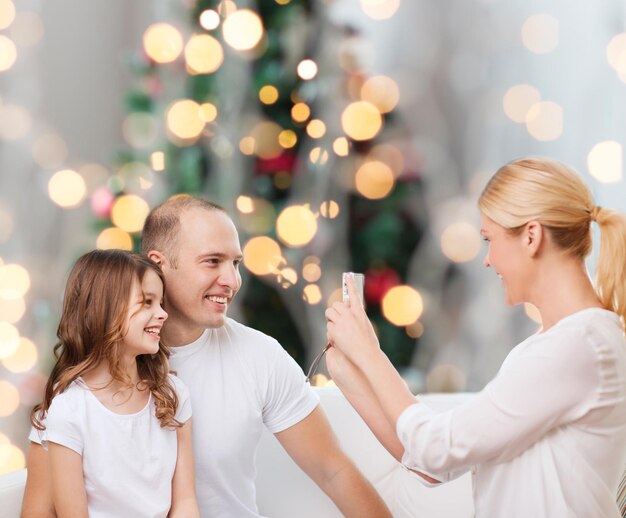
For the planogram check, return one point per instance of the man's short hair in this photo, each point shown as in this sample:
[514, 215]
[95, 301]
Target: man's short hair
[162, 226]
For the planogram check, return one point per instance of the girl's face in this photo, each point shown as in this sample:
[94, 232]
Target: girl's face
[145, 316]
[507, 255]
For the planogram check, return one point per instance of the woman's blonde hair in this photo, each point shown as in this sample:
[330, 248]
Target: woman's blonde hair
[546, 191]
[92, 329]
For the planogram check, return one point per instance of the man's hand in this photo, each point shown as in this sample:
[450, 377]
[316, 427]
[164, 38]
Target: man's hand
[312, 444]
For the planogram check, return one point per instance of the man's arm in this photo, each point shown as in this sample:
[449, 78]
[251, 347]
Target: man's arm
[312, 444]
[37, 501]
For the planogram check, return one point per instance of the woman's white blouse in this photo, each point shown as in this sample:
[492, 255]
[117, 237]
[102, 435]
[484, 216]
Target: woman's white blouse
[547, 436]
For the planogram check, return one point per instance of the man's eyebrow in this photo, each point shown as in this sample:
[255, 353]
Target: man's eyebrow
[219, 255]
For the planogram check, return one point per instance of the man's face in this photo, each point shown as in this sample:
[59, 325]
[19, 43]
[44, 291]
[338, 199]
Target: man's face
[206, 278]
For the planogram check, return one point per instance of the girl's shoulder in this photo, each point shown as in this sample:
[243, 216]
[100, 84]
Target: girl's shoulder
[180, 388]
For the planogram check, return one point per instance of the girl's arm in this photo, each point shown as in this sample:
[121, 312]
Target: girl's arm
[37, 502]
[184, 503]
[68, 486]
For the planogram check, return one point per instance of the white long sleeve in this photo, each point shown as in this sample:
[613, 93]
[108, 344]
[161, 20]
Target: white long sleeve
[559, 401]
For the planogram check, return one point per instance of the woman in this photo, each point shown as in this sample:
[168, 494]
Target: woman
[547, 436]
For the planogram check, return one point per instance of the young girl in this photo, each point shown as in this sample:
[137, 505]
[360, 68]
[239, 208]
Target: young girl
[116, 425]
[547, 437]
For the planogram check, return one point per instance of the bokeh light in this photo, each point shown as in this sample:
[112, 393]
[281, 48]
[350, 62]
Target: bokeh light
[247, 145]
[616, 54]
[415, 330]
[374, 179]
[130, 212]
[14, 281]
[316, 128]
[11, 458]
[185, 119]
[311, 272]
[208, 112]
[209, 19]
[307, 69]
[265, 135]
[329, 209]
[402, 305]
[390, 155]
[318, 156]
[245, 204]
[532, 312]
[9, 398]
[262, 255]
[261, 219]
[15, 122]
[361, 120]
[296, 225]
[112, 238]
[287, 139]
[341, 146]
[7, 13]
[312, 294]
[300, 112]
[380, 9]
[203, 54]
[9, 340]
[12, 309]
[8, 53]
[518, 100]
[268, 94]
[540, 33]
[67, 188]
[23, 359]
[382, 92]
[460, 242]
[162, 42]
[605, 162]
[27, 29]
[544, 121]
[157, 160]
[287, 277]
[243, 29]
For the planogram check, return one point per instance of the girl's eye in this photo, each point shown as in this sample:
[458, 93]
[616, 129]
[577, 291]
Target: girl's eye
[148, 302]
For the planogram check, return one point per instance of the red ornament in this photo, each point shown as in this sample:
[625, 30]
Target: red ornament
[378, 281]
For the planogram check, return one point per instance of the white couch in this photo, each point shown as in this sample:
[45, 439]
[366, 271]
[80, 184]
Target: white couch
[283, 491]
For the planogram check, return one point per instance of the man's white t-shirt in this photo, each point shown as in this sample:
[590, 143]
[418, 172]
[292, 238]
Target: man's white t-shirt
[547, 437]
[128, 459]
[239, 380]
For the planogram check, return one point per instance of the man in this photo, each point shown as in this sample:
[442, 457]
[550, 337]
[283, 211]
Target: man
[239, 379]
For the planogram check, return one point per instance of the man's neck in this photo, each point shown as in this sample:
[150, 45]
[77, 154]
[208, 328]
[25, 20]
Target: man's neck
[176, 334]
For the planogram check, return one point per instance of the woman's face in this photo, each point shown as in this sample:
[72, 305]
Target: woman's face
[507, 255]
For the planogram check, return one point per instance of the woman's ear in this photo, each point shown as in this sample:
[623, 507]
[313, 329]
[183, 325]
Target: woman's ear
[533, 237]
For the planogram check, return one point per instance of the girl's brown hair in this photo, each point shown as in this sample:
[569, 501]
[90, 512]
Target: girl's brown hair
[92, 328]
[553, 194]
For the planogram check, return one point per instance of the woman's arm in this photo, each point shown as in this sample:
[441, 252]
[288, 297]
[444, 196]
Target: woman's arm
[68, 486]
[184, 504]
[37, 502]
[359, 393]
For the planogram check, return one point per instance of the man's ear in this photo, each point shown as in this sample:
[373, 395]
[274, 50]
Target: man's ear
[157, 257]
[533, 237]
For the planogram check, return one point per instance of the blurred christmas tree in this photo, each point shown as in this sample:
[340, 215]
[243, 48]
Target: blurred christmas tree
[269, 112]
